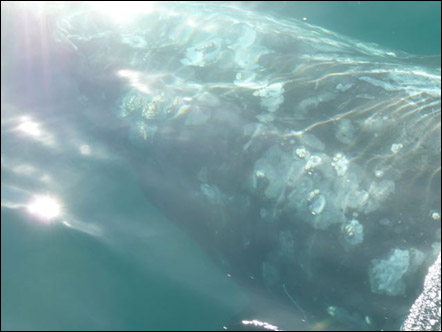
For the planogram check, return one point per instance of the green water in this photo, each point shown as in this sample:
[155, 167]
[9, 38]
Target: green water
[150, 276]
[410, 26]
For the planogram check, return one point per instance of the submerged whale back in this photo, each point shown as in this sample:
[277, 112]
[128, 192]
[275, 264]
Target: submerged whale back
[296, 154]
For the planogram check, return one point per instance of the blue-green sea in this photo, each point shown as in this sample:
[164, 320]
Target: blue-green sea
[84, 245]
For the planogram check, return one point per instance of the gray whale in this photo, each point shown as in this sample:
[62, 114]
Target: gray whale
[294, 154]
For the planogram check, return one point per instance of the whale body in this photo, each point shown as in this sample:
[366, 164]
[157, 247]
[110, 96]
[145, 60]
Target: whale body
[293, 154]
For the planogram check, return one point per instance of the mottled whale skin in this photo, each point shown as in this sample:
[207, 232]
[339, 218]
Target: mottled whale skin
[301, 157]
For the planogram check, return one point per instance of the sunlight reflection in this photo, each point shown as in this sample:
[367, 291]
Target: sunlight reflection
[45, 178]
[83, 227]
[24, 169]
[258, 324]
[10, 204]
[33, 129]
[44, 207]
[123, 11]
[191, 23]
[134, 79]
[30, 127]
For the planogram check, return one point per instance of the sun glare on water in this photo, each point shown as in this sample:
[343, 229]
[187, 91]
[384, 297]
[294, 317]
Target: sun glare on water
[44, 208]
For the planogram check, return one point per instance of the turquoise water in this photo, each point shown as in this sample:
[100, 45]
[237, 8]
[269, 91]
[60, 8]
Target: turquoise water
[112, 259]
[143, 274]
[410, 26]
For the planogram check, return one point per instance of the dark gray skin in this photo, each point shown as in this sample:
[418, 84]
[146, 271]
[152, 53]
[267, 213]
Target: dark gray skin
[224, 110]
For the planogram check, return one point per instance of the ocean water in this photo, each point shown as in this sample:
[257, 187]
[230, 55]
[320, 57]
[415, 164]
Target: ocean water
[94, 239]
[409, 26]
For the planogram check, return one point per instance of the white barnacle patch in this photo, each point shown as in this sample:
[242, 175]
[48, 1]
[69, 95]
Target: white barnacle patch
[331, 310]
[435, 215]
[132, 102]
[134, 41]
[313, 194]
[257, 178]
[386, 275]
[313, 162]
[353, 232]
[396, 147]
[260, 174]
[345, 131]
[302, 153]
[246, 79]
[340, 164]
[343, 87]
[203, 54]
[212, 193]
[379, 173]
[265, 117]
[381, 190]
[318, 202]
[272, 96]
[150, 109]
[142, 130]
[357, 199]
